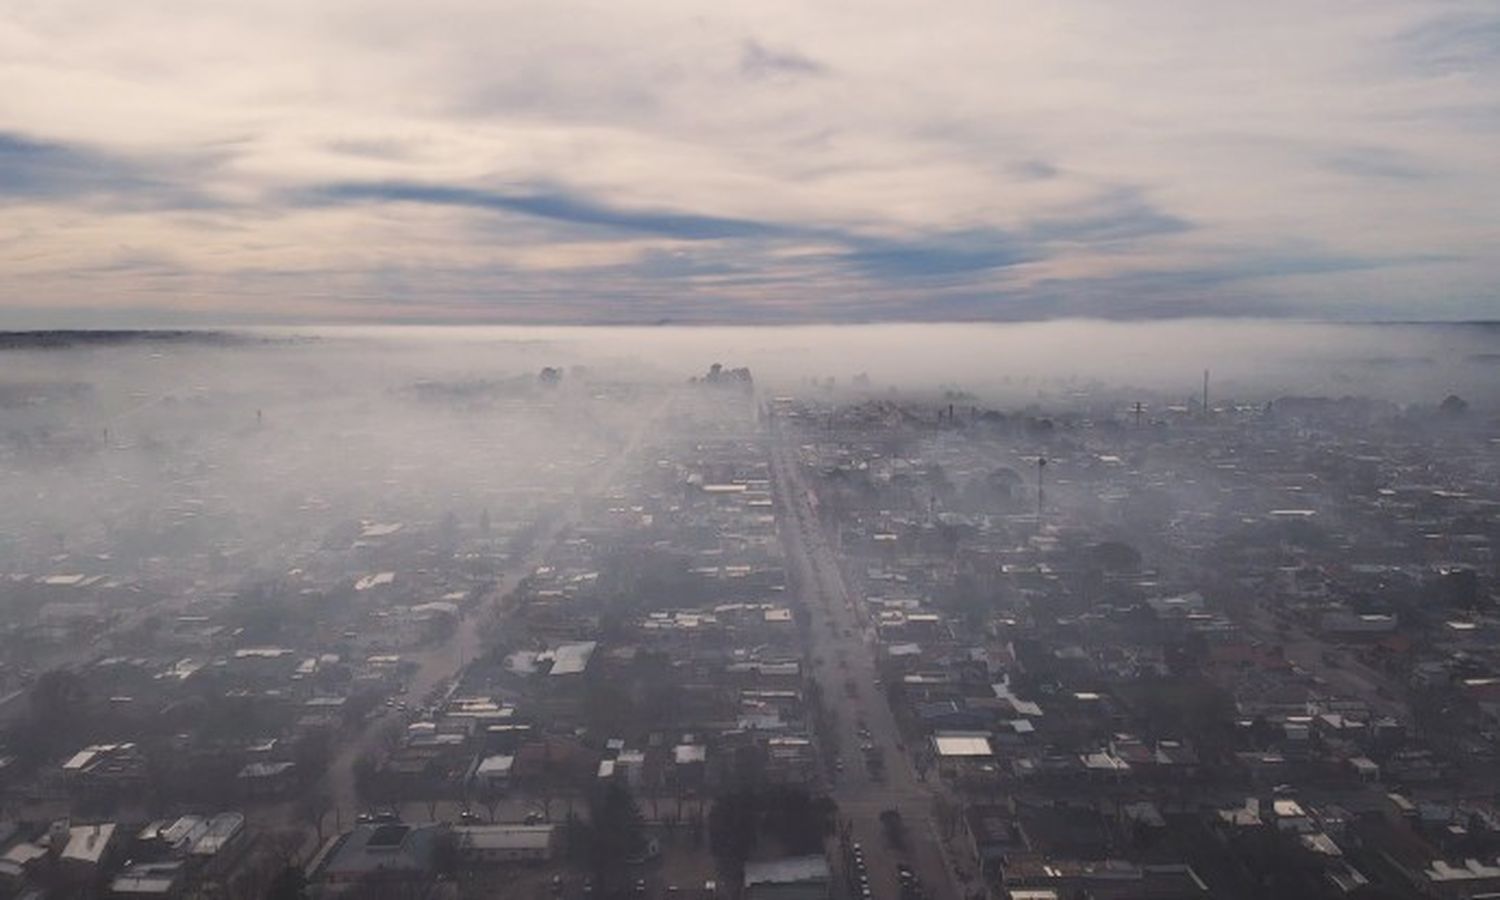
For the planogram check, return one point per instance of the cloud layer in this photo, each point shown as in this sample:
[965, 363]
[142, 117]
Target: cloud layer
[653, 160]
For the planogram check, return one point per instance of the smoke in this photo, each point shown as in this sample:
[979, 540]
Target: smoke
[251, 445]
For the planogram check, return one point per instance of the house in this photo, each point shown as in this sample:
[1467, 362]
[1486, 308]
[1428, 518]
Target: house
[493, 772]
[393, 853]
[266, 779]
[992, 836]
[1110, 879]
[790, 878]
[501, 844]
[149, 879]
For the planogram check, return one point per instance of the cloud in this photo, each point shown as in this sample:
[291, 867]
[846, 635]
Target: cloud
[556, 205]
[1379, 162]
[1122, 214]
[1035, 170]
[759, 61]
[936, 256]
[784, 161]
[33, 169]
[1457, 40]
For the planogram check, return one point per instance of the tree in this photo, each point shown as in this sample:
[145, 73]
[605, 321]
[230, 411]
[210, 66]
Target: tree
[490, 796]
[614, 835]
[58, 702]
[314, 807]
[798, 820]
[732, 831]
[290, 884]
[370, 785]
[1116, 556]
[312, 753]
[58, 694]
[1453, 405]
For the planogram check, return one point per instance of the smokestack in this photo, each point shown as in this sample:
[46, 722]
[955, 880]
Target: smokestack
[1205, 393]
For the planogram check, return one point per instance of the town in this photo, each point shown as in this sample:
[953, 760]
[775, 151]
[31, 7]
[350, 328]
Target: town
[712, 639]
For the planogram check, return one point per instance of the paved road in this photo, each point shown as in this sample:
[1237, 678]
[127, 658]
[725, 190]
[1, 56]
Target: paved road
[843, 650]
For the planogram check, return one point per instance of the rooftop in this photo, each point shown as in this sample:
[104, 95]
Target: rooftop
[790, 870]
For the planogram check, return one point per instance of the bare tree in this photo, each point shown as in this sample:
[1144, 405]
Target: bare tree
[314, 807]
[490, 796]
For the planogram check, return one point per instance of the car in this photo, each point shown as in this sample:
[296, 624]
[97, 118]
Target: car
[640, 886]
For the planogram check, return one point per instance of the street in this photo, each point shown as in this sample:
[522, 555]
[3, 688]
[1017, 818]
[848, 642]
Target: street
[843, 647]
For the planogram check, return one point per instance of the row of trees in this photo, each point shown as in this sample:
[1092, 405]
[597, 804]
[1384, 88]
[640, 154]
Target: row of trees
[796, 821]
[610, 840]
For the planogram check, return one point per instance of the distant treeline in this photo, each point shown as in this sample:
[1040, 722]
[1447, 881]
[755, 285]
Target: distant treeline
[62, 339]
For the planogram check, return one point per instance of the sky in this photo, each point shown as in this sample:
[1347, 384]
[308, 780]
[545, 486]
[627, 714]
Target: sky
[644, 161]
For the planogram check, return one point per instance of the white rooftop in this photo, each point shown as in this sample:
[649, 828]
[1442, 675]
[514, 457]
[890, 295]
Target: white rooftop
[962, 745]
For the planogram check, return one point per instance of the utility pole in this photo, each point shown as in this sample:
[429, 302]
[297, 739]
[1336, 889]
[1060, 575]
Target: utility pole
[1041, 468]
[1205, 393]
[1139, 408]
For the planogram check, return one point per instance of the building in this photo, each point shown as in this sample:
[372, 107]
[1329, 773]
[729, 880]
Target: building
[150, 879]
[266, 779]
[993, 837]
[502, 844]
[493, 772]
[791, 878]
[1106, 880]
[392, 853]
[88, 846]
